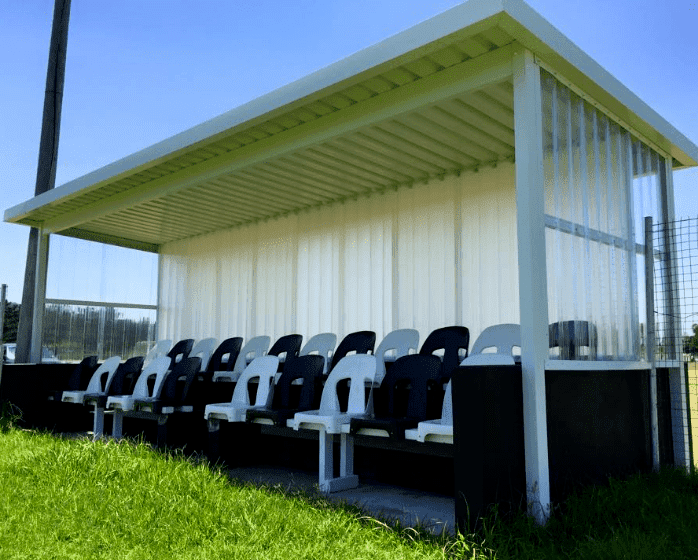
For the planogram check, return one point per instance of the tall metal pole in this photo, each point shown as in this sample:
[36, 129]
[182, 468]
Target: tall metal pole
[46, 169]
[3, 292]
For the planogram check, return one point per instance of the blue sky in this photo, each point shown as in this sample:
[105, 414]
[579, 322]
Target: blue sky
[139, 71]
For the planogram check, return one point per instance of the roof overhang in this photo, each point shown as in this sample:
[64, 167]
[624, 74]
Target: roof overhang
[434, 100]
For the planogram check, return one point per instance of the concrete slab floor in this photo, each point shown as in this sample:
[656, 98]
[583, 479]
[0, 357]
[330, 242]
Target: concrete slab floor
[434, 512]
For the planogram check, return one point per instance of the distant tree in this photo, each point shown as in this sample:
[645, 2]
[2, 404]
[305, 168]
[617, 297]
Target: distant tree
[691, 342]
[9, 331]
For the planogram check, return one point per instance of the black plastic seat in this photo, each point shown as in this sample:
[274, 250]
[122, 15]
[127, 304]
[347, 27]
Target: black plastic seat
[289, 345]
[454, 341]
[231, 348]
[401, 402]
[180, 351]
[569, 336]
[79, 379]
[290, 398]
[122, 383]
[175, 388]
[361, 342]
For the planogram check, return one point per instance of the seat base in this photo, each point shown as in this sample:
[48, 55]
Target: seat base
[339, 484]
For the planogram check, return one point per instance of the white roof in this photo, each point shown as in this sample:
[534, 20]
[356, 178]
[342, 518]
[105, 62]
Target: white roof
[433, 100]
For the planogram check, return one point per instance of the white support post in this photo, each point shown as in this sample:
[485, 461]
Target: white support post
[533, 291]
[39, 297]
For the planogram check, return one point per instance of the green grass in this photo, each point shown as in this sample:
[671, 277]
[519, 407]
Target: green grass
[79, 499]
[64, 498]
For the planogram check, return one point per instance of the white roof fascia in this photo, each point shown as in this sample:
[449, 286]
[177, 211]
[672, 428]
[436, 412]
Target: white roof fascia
[526, 26]
[370, 58]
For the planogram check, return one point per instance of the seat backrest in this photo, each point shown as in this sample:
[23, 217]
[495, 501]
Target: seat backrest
[454, 342]
[361, 342]
[180, 351]
[264, 368]
[254, 348]
[158, 367]
[359, 369]
[323, 344]
[203, 349]
[161, 348]
[408, 381]
[503, 338]
[309, 368]
[289, 345]
[81, 375]
[108, 369]
[177, 383]
[125, 377]
[569, 336]
[401, 341]
[229, 347]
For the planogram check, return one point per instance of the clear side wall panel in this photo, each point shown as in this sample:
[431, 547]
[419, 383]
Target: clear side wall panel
[600, 184]
[100, 300]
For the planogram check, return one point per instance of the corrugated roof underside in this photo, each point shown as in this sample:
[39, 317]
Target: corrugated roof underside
[460, 134]
[451, 136]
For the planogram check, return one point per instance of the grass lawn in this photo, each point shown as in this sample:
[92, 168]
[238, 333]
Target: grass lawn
[78, 499]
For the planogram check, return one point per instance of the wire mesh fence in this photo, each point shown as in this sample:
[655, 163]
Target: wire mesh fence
[675, 277]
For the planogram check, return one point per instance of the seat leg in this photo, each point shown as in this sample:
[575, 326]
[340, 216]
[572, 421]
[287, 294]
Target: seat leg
[346, 480]
[213, 450]
[98, 424]
[162, 430]
[326, 460]
[118, 424]
[346, 457]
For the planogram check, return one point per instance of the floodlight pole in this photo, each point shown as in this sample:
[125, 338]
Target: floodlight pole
[45, 181]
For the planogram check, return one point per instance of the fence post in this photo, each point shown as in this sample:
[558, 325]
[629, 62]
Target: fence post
[650, 338]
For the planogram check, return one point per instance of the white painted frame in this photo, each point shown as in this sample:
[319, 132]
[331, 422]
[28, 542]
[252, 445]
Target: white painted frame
[533, 285]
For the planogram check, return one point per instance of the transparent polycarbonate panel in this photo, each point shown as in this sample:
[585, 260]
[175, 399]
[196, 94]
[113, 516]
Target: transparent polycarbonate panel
[72, 332]
[600, 183]
[91, 271]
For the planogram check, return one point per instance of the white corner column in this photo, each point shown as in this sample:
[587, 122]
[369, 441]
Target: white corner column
[533, 290]
[39, 297]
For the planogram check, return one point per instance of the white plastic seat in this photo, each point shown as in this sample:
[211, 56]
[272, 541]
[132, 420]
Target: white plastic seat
[359, 369]
[254, 348]
[160, 349]
[401, 341]
[95, 385]
[503, 338]
[264, 368]
[157, 367]
[322, 344]
[204, 350]
[440, 430]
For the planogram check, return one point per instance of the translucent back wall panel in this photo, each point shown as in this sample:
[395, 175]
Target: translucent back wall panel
[425, 257]
[600, 183]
